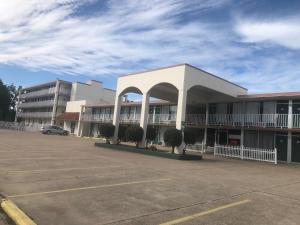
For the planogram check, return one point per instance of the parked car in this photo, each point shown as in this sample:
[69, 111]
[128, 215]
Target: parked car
[52, 129]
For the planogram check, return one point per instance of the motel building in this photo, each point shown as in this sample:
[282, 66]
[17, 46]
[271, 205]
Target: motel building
[220, 112]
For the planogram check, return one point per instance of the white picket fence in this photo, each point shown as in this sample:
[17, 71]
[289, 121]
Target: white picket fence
[257, 154]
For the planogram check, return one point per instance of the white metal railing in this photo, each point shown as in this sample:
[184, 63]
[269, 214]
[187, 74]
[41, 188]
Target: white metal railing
[257, 154]
[48, 91]
[162, 118]
[296, 120]
[255, 120]
[34, 114]
[130, 118]
[97, 117]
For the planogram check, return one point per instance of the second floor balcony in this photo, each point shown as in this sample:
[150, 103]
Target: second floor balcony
[215, 120]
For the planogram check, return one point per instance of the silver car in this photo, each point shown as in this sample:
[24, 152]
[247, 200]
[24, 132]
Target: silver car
[52, 129]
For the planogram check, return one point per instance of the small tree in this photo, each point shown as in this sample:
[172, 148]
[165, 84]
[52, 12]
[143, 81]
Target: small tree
[173, 138]
[121, 133]
[150, 135]
[107, 131]
[135, 134]
[189, 138]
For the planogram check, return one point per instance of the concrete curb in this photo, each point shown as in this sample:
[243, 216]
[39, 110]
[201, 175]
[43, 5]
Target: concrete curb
[14, 213]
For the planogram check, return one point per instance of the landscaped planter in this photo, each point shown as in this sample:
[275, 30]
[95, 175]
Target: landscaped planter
[149, 152]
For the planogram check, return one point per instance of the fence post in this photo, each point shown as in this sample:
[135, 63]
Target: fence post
[202, 147]
[275, 156]
[242, 152]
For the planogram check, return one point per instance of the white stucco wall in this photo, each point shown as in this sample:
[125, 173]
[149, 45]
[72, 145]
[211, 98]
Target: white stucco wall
[75, 106]
[92, 91]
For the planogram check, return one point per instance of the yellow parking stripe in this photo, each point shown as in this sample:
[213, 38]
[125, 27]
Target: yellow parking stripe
[210, 211]
[88, 188]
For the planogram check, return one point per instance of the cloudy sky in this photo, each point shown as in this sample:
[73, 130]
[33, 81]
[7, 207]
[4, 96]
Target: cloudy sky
[253, 43]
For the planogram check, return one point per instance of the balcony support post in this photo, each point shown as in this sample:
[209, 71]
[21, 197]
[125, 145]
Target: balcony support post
[206, 124]
[180, 117]
[54, 111]
[290, 114]
[116, 118]
[144, 118]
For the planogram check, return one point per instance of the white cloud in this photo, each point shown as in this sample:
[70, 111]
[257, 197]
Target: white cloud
[131, 35]
[53, 37]
[285, 32]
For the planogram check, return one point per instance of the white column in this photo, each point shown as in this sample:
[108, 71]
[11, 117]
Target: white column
[144, 117]
[242, 137]
[206, 124]
[290, 114]
[289, 147]
[290, 125]
[180, 117]
[116, 118]
[80, 125]
[55, 102]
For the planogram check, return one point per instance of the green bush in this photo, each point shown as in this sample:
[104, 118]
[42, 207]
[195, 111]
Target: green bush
[134, 134]
[121, 133]
[189, 138]
[151, 134]
[107, 131]
[173, 138]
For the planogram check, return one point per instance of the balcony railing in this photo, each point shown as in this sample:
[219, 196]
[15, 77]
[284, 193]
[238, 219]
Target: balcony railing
[246, 120]
[34, 114]
[38, 104]
[162, 119]
[235, 120]
[130, 118]
[49, 91]
[97, 117]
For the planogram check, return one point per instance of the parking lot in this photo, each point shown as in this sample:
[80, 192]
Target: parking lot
[66, 180]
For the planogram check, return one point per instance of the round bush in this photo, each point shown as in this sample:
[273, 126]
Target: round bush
[134, 134]
[189, 137]
[121, 133]
[151, 134]
[173, 138]
[107, 131]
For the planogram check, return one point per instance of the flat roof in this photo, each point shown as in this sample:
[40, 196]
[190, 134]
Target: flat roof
[270, 95]
[183, 64]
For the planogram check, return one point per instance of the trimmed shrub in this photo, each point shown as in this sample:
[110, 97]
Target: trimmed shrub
[107, 131]
[150, 135]
[173, 138]
[121, 133]
[189, 138]
[134, 134]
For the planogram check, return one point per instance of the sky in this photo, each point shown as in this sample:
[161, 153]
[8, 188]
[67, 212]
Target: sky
[255, 44]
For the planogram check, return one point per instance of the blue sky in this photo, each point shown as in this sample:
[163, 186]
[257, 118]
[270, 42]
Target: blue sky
[253, 43]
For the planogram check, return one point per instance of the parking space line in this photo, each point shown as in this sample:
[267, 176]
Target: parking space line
[207, 212]
[88, 188]
[62, 169]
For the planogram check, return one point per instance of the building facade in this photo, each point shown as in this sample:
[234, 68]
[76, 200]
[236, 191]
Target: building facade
[219, 111]
[47, 103]
[41, 104]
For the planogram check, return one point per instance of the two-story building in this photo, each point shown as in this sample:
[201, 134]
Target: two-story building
[219, 111]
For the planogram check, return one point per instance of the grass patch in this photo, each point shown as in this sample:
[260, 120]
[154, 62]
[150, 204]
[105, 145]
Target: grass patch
[157, 153]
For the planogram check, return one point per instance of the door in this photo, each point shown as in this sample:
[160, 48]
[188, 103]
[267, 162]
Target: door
[282, 109]
[281, 145]
[222, 137]
[296, 148]
[72, 127]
